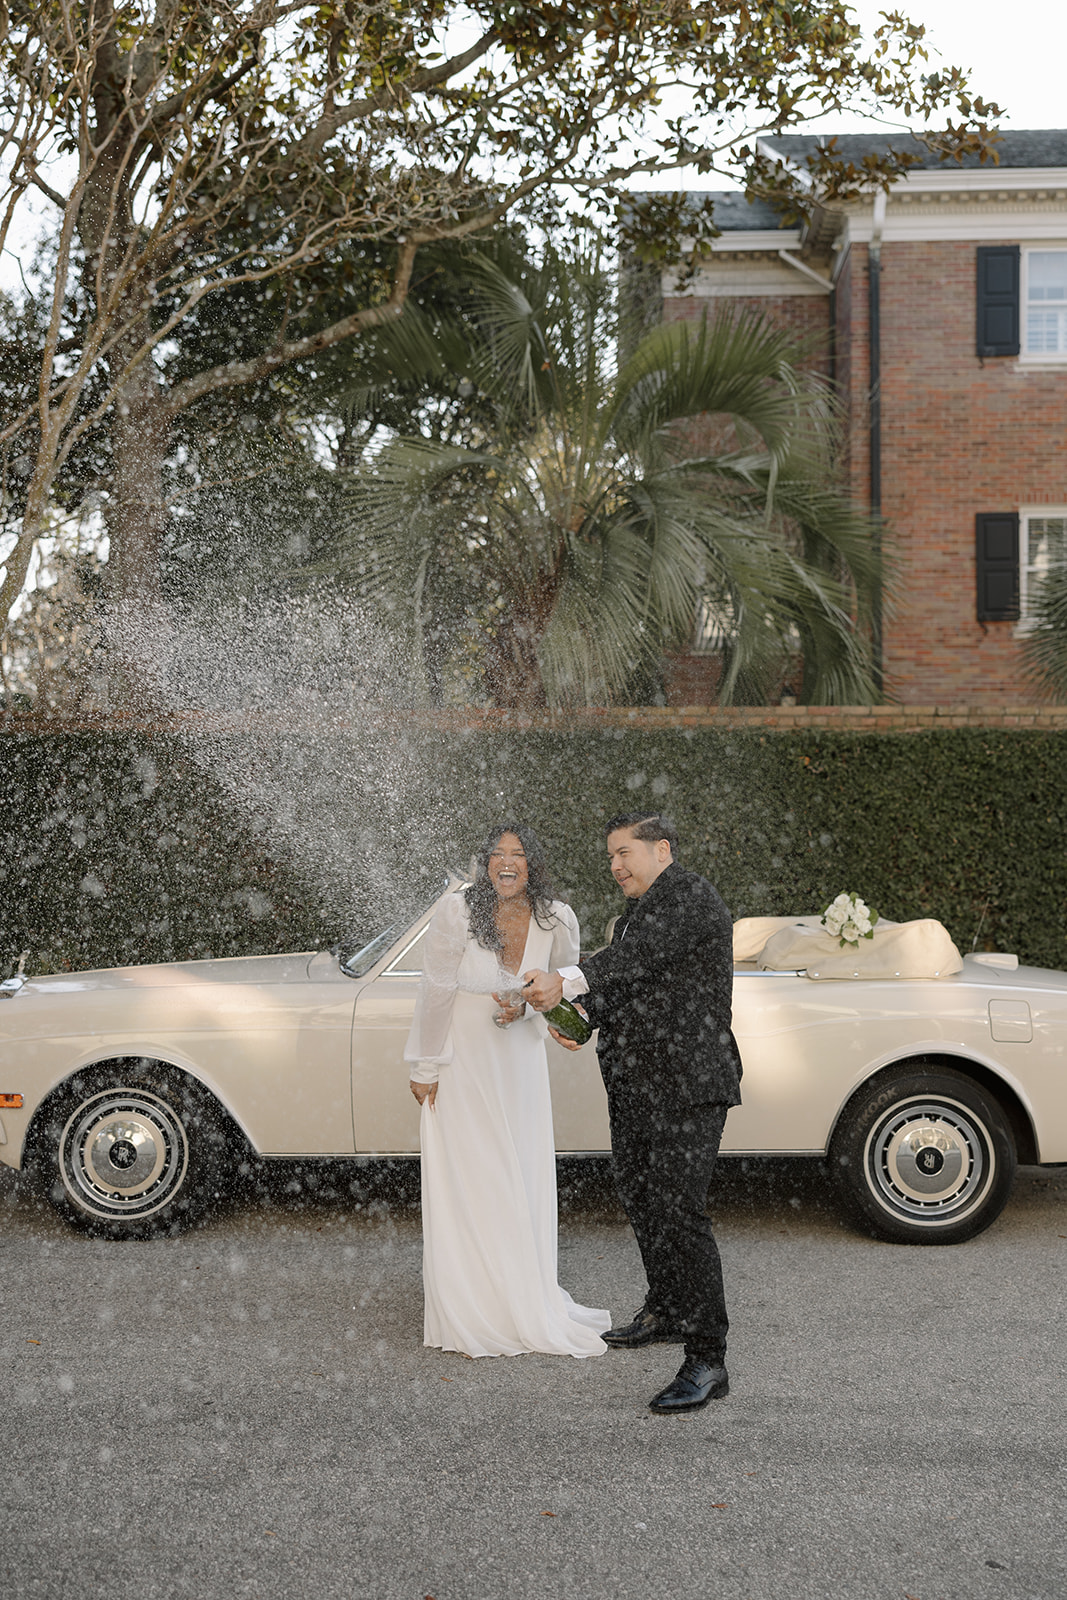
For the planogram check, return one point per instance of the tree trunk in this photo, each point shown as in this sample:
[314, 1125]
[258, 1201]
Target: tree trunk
[512, 657]
[140, 437]
[138, 626]
[134, 616]
[139, 432]
[512, 669]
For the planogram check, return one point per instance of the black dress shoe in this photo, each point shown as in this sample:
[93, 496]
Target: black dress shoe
[695, 1385]
[646, 1328]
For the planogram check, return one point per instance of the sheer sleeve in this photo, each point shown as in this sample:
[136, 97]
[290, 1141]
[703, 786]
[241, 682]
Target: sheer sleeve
[430, 1041]
[565, 938]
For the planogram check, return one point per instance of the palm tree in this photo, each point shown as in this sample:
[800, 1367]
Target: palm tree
[1045, 649]
[560, 518]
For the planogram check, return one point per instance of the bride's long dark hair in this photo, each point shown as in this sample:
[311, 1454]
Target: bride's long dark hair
[481, 896]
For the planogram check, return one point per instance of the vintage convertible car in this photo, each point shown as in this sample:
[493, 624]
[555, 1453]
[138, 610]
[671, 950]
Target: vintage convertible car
[132, 1096]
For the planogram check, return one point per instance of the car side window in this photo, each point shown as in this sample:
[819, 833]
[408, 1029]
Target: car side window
[408, 964]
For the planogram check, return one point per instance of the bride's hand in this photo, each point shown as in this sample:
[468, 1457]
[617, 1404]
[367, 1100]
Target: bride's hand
[507, 1014]
[425, 1092]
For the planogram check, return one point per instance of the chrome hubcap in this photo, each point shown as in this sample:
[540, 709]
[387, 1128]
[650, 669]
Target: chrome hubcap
[124, 1153]
[929, 1160]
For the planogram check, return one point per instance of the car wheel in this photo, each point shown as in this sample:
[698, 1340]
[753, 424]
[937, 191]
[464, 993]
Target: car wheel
[132, 1150]
[924, 1157]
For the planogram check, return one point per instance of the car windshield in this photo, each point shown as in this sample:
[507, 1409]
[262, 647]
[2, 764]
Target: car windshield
[357, 959]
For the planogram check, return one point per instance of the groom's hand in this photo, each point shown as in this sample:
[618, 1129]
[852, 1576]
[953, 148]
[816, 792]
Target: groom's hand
[568, 1044]
[542, 990]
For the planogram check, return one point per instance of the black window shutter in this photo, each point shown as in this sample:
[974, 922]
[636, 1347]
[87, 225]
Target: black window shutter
[998, 300]
[997, 557]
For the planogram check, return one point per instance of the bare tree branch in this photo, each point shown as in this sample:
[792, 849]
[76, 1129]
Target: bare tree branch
[46, 188]
[233, 374]
[420, 83]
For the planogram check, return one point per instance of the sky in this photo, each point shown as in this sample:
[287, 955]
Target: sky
[1021, 68]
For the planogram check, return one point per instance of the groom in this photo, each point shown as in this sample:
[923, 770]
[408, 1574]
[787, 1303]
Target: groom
[660, 995]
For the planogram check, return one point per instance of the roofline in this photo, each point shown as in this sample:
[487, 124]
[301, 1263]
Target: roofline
[947, 176]
[799, 171]
[756, 239]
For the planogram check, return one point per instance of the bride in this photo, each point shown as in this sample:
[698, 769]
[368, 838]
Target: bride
[481, 1078]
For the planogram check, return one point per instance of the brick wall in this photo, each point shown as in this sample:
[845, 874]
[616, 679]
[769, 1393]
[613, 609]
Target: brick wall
[805, 315]
[692, 679]
[959, 436]
[852, 367]
[762, 719]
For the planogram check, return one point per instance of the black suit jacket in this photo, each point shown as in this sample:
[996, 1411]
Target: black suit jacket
[661, 995]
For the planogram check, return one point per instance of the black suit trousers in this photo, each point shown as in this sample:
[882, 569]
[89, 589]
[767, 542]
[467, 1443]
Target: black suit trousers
[664, 1157]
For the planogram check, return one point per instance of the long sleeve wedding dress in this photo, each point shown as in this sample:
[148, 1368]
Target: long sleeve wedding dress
[488, 1156]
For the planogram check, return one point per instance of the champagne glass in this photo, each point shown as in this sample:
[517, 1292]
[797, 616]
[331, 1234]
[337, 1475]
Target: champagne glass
[508, 994]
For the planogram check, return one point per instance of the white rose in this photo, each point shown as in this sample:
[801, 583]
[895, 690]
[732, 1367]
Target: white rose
[850, 932]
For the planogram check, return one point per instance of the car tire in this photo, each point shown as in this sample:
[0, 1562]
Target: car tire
[923, 1156]
[132, 1150]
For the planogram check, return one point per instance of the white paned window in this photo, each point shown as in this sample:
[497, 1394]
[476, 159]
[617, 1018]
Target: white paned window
[1045, 315]
[1042, 546]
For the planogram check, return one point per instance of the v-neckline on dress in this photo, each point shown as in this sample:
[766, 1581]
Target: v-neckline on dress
[523, 964]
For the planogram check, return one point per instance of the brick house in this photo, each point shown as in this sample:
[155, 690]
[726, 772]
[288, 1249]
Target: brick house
[943, 309]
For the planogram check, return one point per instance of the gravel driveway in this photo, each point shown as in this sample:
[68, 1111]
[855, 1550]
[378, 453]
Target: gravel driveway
[247, 1410]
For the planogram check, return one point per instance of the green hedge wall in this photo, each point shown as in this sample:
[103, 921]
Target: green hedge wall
[963, 825]
[115, 849]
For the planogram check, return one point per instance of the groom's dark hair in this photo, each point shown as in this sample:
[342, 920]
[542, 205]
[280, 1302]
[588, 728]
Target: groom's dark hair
[645, 827]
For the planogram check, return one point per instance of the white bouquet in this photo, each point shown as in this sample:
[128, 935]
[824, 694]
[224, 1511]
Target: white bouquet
[849, 919]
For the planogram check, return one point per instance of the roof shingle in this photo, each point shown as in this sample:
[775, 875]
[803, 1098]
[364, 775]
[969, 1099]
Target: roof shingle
[1017, 147]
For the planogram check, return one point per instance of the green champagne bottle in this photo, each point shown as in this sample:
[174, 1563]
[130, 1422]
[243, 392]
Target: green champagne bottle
[568, 1020]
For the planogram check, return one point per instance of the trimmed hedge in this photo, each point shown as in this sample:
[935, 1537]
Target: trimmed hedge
[113, 851]
[963, 825]
[116, 849]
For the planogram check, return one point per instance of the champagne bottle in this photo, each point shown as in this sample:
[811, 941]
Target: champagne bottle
[569, 1021]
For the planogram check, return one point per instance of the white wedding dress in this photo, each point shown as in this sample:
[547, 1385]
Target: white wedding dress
[488, 1155]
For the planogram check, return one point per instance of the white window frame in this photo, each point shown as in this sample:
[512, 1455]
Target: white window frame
[1026, 515]
[1036, 358]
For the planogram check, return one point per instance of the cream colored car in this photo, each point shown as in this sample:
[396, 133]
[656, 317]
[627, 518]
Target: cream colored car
[132, 1096]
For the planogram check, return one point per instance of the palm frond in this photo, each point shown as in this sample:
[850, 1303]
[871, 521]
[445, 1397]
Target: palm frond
[1045, 649]
[575, 530]
[415, 353]
[738, 367]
